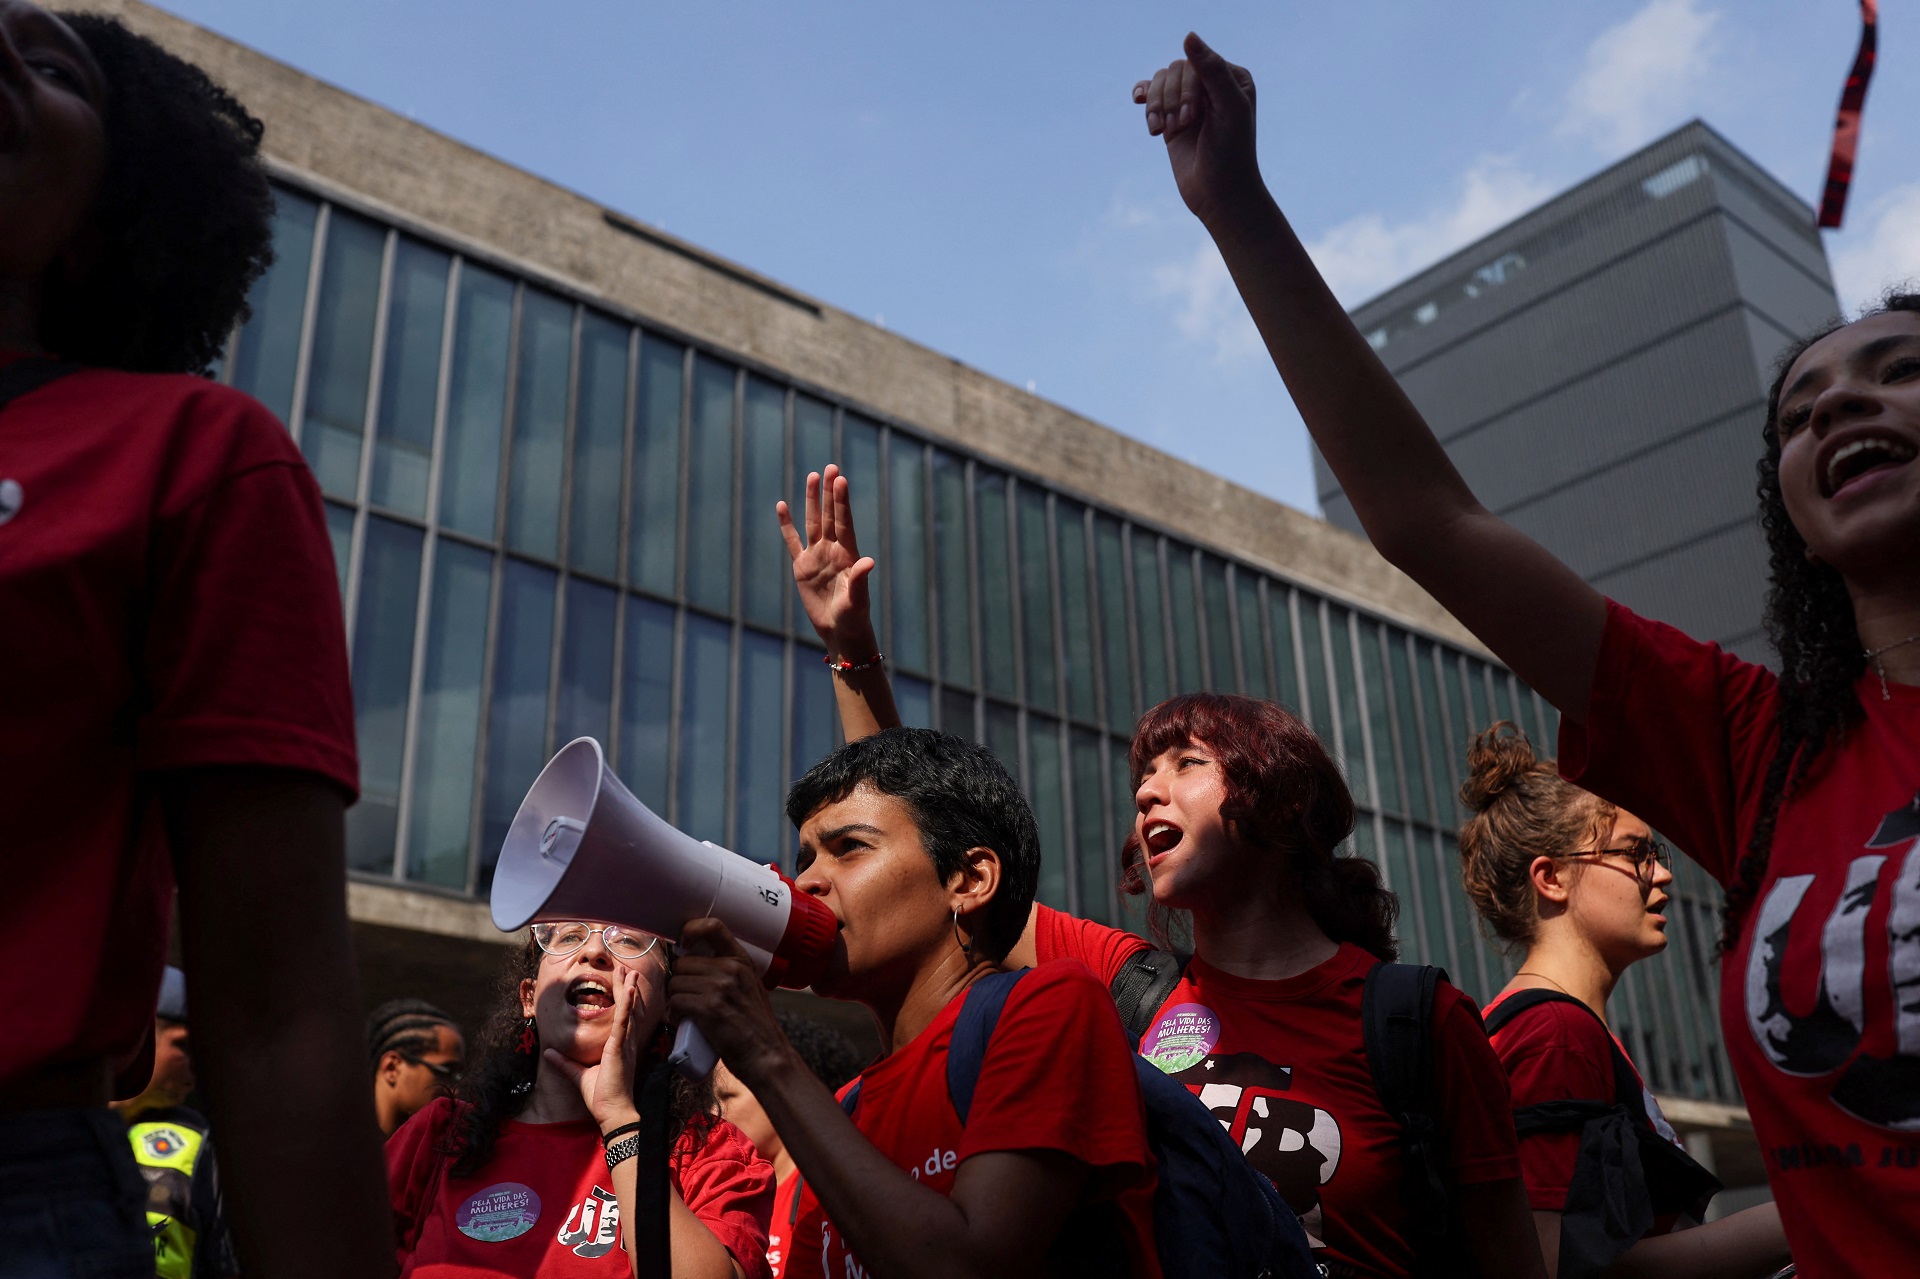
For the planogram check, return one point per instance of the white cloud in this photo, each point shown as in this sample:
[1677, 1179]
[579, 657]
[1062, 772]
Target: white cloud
[1642, 75]
[1210, 311]
[1359, 257]
[1366, 254]
[1882, 248]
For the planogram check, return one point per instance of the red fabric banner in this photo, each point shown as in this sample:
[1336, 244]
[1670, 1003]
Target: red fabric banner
[1846, 126]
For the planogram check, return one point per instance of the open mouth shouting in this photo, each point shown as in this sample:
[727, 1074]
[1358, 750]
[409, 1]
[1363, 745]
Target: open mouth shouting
[589, 997]
[1160, 838]
[1851, 460]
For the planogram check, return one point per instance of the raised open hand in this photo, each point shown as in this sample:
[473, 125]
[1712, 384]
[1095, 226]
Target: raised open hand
[1203, 106]
[829, 570]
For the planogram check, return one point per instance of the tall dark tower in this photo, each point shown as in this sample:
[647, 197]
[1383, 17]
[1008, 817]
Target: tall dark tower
[1597, 370]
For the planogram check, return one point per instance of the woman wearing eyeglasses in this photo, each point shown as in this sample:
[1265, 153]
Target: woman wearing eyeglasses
[1580, 885]
[531, 1169]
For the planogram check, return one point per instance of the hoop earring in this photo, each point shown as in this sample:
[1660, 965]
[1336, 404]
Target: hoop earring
[964, 945]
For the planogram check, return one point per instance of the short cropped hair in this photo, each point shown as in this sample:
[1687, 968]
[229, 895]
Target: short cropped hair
[960, 796]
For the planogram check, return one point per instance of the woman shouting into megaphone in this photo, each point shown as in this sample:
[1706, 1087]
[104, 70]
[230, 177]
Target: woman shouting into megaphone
[532, 1170]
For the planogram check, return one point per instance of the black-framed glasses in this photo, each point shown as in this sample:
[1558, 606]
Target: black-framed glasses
[561, 940]
[1647, 852]
[446, 1072]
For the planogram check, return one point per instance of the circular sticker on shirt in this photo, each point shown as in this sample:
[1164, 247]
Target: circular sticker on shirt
[499, 1213]
[1182, 1037]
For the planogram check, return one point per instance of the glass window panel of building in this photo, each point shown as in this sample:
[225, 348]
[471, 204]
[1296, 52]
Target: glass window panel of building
[540, 512]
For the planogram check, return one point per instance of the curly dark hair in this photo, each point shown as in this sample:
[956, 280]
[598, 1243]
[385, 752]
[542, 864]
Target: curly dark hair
[499, 1080]
[184, 217]
[1284, 795]
[1809, 618]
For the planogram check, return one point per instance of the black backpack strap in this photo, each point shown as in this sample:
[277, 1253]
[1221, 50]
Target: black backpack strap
[30, 374]
[1143, 984]
[1626, 1080]
[1396, 1017]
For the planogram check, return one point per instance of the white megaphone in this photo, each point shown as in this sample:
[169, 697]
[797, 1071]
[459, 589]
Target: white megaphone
[582, 847]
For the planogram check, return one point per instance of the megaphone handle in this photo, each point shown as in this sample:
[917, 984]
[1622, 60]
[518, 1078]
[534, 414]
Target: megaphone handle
[692, 1055]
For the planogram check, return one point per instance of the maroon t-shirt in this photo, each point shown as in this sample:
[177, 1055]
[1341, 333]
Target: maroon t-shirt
[167, 600]
[1820, 997]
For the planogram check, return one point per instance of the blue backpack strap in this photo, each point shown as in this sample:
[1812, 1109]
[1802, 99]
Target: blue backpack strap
[967, 1050]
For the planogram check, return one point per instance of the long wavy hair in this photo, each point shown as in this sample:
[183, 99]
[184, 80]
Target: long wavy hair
[1809, 618]
[500, 1077]
[1285, 796]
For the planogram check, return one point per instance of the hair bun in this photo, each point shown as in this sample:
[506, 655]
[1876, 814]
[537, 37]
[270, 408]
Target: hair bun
[1498, 759]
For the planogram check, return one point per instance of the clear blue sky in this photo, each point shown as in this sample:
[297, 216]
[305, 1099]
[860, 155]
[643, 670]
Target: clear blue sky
[973, 176]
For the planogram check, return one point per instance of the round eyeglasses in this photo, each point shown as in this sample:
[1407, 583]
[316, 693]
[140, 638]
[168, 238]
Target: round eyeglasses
[561, 940]
[1646, 853]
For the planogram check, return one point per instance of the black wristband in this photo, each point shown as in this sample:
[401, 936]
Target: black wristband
[620, 1151]
[606, 1138]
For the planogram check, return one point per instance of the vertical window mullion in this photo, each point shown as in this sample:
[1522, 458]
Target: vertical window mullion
[620, 554]
[297, 406]
[429, 548]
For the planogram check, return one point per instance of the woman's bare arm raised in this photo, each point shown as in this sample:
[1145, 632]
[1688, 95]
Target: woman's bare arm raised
[832, 577]
[1532, 610]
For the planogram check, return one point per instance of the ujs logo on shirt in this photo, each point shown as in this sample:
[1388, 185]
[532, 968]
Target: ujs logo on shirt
[593, 1227]
[1882, 1090]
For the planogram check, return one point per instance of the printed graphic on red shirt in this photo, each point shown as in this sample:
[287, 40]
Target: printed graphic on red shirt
[544, 1207]
[1282, 1064]
[1296, 1144]
[1826, 1039]
[1820, 997]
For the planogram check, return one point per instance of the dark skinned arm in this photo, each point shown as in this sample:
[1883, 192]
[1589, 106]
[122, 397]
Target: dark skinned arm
[259, 854]
[1525, 605]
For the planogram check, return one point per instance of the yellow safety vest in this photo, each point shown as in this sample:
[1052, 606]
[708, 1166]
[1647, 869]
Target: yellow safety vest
[166, 1153]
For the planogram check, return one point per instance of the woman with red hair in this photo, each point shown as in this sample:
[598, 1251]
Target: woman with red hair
[1239, 813]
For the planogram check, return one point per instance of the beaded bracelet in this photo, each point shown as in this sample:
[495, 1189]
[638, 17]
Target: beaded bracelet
[621, 1151]
[844, 667]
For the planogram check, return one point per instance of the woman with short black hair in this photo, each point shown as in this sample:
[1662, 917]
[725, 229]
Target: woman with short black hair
[1240, 814]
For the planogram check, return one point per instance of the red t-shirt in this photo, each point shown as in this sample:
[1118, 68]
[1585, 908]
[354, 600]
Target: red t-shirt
[1057, 1076]
[544, 1207]
[167, 600]
[786, 1212]
[1820, 998]
[1556, 1052]
[1284, 1066]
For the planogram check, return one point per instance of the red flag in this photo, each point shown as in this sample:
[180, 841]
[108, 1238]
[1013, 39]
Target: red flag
[1846, 126]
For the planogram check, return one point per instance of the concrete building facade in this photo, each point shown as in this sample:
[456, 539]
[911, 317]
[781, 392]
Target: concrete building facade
[550, 440]
[1597, 370]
